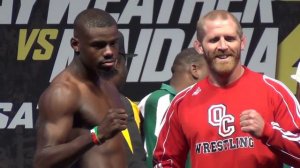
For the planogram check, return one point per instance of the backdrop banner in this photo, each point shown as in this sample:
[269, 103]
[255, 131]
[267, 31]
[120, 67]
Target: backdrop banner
[36, 47]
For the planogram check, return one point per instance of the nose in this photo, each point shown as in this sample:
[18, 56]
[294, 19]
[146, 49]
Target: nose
[109, 50]
[222, 44]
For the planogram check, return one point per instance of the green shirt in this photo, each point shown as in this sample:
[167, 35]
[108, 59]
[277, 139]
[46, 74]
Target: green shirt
[153, 108]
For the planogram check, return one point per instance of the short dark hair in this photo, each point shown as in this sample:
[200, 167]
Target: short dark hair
[185, 58]
[92, 17]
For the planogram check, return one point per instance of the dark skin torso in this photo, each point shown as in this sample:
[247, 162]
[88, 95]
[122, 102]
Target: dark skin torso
[69, 108]
[95, 102]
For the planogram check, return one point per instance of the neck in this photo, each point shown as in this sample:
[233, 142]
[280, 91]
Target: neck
[180, 82]
[80, 70]
[225, 80]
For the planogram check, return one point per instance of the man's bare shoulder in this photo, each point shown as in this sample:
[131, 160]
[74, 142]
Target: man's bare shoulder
[62, 93]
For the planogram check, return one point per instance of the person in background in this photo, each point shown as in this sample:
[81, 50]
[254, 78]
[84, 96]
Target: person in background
[81, 115]
[233, 118]
[136, 156]
[296, 77]
[188, 67]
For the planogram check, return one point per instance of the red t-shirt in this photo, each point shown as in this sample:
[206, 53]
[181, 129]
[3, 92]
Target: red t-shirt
[205, 120]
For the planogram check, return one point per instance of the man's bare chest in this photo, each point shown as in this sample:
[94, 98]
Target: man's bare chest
[94, 104]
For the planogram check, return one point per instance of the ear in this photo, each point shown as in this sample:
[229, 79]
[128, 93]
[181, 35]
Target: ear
[243, 42]
[194, 71]
[198, 47]
[75, 44]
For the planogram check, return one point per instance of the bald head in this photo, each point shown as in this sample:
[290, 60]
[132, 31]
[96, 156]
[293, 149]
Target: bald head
[91, 18]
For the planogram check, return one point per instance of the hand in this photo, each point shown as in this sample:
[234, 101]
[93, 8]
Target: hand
[114, 121]
[252, 122]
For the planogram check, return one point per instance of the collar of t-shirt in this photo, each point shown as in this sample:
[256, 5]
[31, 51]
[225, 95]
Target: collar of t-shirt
[168, 88]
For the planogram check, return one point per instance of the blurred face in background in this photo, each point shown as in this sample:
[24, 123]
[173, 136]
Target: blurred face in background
[119, 79]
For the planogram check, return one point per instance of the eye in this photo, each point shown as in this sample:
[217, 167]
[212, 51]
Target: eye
[99, 45]
[113, 43]
[214, 40]
[230, 38]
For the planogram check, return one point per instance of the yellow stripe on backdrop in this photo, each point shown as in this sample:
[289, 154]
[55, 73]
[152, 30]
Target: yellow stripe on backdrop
[288, 55]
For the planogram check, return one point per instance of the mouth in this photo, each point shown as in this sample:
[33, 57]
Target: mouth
[107, 64]
[225, 56]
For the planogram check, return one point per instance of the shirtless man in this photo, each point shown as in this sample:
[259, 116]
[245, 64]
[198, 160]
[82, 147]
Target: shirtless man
[80, 114]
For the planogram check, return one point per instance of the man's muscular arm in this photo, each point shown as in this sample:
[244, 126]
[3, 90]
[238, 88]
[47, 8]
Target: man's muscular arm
[57, 106]
[55, 147]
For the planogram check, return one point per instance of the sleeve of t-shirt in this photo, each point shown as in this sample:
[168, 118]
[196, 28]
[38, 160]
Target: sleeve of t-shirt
[283, 134]
[171, 148]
